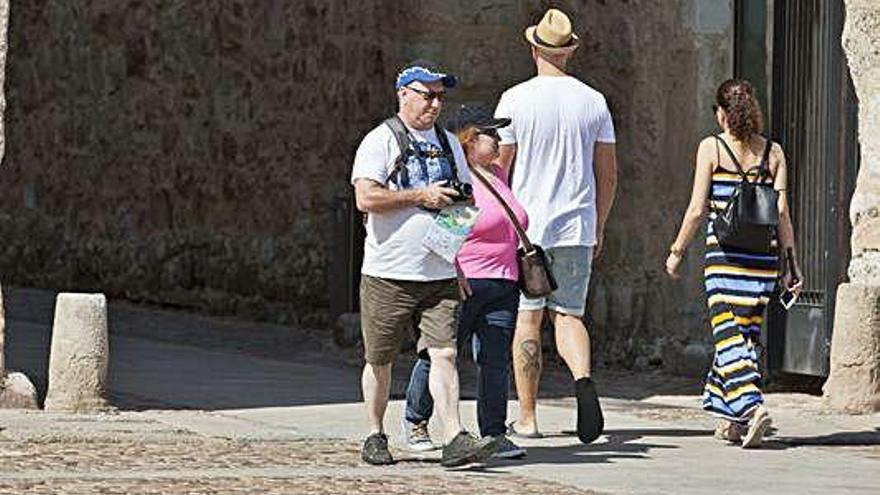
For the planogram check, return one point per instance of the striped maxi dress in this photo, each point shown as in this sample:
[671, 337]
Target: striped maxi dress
[739, 285]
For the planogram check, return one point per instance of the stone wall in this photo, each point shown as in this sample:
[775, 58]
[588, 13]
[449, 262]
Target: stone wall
[183, 152]
[658, 66]
[187, 152]
[854, 381]
[4, 21]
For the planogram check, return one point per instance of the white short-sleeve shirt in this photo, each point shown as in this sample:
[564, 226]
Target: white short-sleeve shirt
[555, 124]
[393, 247]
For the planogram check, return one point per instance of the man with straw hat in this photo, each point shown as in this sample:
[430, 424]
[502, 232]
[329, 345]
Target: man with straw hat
[560, 154]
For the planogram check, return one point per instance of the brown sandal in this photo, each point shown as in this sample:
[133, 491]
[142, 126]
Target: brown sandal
[730, 431]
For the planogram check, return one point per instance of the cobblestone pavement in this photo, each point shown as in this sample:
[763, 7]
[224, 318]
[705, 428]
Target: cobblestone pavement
[208, 466]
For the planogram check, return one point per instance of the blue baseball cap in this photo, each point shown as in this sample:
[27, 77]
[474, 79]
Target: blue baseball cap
[423, 74]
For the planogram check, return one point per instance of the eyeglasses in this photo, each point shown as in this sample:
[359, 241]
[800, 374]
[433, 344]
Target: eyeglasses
[429, 95]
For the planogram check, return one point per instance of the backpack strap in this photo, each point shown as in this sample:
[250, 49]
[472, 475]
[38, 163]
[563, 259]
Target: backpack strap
[447, 150]
[764, 167]
[730, 153]
[404, 142]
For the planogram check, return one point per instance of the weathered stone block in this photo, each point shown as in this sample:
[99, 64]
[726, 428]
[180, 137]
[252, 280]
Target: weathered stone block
[17, 392]
[854, 382]
[79, 354]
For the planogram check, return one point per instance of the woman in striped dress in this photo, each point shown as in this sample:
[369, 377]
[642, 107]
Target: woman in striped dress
[739, 283]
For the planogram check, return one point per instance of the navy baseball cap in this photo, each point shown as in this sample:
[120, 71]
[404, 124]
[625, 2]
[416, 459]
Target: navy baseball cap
[474, 115]
[421, 73]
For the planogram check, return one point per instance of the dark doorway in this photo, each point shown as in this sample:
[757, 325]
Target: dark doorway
[812, 112]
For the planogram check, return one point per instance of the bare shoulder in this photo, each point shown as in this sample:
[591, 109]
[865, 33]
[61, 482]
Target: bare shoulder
[706, 142]
[776, 152]
[776, 158]
[706, 152]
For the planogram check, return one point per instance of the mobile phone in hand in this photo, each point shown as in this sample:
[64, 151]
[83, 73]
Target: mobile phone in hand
[788, 298]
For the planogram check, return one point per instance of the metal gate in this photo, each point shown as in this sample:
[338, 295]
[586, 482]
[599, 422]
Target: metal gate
[813, 115]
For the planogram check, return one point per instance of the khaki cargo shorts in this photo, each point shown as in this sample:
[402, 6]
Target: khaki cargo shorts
[389, 309]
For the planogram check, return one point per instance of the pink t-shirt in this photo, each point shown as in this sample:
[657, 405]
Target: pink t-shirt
[490, 249]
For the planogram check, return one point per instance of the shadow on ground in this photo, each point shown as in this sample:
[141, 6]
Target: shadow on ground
[170, 359]
[840, 439]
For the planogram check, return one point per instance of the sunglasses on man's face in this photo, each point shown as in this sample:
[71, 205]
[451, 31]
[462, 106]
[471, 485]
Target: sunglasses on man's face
[429, 95]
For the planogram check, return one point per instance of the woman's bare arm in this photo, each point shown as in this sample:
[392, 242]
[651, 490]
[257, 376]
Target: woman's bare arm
[785, 232]
[698, 206]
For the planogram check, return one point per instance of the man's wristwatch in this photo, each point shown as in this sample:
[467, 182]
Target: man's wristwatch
[676, 251]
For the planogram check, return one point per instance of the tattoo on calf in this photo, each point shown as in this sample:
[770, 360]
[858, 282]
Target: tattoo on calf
[530, 351]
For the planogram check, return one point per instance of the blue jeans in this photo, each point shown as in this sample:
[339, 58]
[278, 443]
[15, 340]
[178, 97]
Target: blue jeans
[489, 316]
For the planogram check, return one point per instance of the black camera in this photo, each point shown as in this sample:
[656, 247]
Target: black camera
[463, 190]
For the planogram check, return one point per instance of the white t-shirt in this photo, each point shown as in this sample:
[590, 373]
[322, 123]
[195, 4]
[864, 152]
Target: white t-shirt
[556, 122]
[393, 247]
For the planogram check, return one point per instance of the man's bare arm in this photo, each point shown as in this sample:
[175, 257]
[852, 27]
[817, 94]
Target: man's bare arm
[605, 168]
[372, 197]
[507, 152]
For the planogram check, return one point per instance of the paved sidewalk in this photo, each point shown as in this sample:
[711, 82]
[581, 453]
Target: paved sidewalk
[206, 418]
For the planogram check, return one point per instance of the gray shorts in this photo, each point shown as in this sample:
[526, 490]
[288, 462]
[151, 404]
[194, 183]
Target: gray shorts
[572, 266]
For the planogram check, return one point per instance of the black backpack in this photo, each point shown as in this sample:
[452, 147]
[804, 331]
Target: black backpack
[751, 216]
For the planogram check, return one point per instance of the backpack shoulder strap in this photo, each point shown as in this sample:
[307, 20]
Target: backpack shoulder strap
[447, 149]
[401, 133]
[404, 141]
[765, 158]
[732, 156]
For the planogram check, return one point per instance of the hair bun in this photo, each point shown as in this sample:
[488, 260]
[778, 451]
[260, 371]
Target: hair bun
[744, 118]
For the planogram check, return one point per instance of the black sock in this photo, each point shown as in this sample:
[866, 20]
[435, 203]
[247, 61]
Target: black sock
[590, 422]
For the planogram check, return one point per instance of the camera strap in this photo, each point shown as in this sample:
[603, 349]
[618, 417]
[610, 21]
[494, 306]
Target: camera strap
[447, 150]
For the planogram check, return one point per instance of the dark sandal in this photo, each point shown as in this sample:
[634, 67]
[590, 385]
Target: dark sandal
[590, 421]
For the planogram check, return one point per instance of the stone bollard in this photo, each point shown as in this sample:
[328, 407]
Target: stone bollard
[17, 392]
[854, 382]
[80, 354]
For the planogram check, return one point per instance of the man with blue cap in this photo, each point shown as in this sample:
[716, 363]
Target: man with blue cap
[405, 171]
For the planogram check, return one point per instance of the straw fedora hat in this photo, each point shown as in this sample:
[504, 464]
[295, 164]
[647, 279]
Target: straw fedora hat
[553, 34]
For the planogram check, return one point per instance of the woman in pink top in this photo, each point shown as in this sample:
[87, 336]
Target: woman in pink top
[487, 261]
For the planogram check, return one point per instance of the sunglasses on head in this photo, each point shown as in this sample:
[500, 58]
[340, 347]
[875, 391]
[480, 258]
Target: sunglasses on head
[429, 95]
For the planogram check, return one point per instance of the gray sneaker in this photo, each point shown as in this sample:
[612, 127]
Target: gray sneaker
[466, 449]
[506, 449]
[375, 450]
[416, 436]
